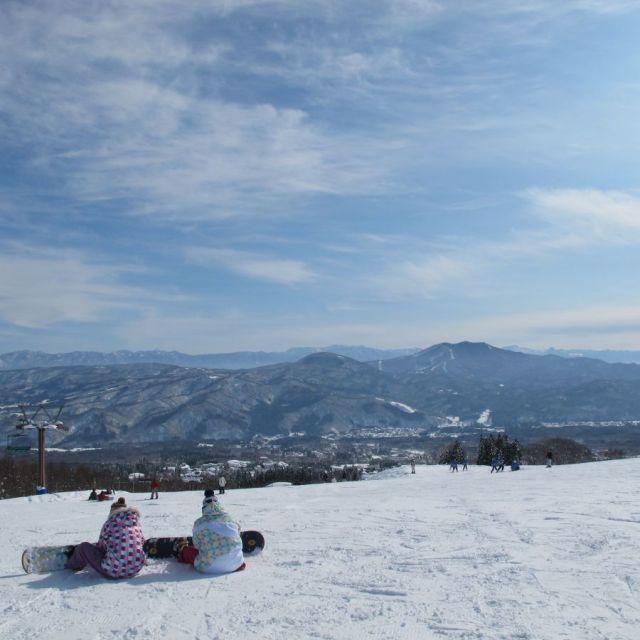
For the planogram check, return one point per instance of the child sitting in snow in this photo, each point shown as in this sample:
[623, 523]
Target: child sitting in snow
[217, 545]
[119, 553]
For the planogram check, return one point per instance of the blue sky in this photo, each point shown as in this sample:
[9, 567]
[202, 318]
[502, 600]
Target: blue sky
[207, 175]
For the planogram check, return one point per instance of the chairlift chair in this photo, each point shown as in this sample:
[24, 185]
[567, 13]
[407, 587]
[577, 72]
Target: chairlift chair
[18, 443]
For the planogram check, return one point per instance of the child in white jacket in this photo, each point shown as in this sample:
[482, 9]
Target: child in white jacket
[217, 545]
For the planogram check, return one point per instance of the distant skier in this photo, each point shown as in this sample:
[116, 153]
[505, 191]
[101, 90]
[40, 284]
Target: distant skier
[222, 483]
[549, 459]
[93, 495]
[515, 465]
[155, 486]
[464, 464]
[119, 552]
[453, 465]
[413, 465]
[494, 464]
[500, 463]
[217, 545]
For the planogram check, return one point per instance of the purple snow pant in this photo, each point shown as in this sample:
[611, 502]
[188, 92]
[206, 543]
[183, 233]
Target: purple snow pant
[85, 554]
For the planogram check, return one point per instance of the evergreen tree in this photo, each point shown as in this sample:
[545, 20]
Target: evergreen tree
[485, 450]
[452, 451]
[492, 445]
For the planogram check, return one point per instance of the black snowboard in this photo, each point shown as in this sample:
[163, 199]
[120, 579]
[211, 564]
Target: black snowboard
[252, 544]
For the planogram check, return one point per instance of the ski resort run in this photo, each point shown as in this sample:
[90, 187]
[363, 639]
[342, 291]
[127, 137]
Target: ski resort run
[538, 554]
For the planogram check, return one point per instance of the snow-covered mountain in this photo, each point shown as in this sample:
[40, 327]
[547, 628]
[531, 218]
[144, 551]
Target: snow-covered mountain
[325, 392]
[482, 361]
[237, 360]
[539, 554]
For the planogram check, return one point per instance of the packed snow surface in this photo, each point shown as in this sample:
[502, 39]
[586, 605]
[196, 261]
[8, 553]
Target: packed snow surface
[534, 554]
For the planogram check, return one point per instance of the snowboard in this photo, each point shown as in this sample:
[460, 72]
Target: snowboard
[45, 559]
[252, 544]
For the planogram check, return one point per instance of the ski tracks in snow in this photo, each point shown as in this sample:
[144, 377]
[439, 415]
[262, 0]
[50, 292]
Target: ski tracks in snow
[533, 555]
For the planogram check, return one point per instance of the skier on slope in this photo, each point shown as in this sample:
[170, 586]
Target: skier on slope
[549, 459]
[155, 486]
[119, 553]
[217, 545]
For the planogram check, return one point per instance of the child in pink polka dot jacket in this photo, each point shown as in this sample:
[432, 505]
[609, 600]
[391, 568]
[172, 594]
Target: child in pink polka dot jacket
[119, 553]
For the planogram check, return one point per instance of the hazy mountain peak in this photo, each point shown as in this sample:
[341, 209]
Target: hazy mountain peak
[326, 359]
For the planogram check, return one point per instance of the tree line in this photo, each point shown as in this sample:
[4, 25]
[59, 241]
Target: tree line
[18, 476]
[565, 451]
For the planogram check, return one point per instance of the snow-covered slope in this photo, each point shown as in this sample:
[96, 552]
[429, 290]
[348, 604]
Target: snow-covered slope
[535, 554]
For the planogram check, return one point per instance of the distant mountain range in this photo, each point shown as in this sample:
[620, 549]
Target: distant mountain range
[325, 392]
[249, 359]
[608, 355]
[235, 360]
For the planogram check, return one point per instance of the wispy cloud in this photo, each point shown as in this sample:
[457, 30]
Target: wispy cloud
[560, 221]
[41, 287]
[426, 276]
[302, 141]
[135, 107]
[254, 266]
[127, 106]
[590, 214]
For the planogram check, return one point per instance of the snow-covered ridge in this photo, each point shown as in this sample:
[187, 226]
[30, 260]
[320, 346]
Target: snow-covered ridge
[398, 405]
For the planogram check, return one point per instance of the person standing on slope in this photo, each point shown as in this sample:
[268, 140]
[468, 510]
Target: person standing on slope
[155, 485]
[119, 553]
[549, 459]
[222, 483]
[217, 545]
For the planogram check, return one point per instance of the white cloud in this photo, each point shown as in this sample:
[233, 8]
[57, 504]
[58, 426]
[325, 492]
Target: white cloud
[255, 266]
[560, 221]
[44, 287]
[121, 104]
[593, 215]
[41, 287]
[550, 8]
[424, 277]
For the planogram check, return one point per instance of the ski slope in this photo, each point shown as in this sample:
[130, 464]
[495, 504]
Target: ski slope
[536, 554]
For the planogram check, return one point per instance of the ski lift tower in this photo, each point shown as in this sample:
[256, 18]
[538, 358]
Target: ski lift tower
[41, 420]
